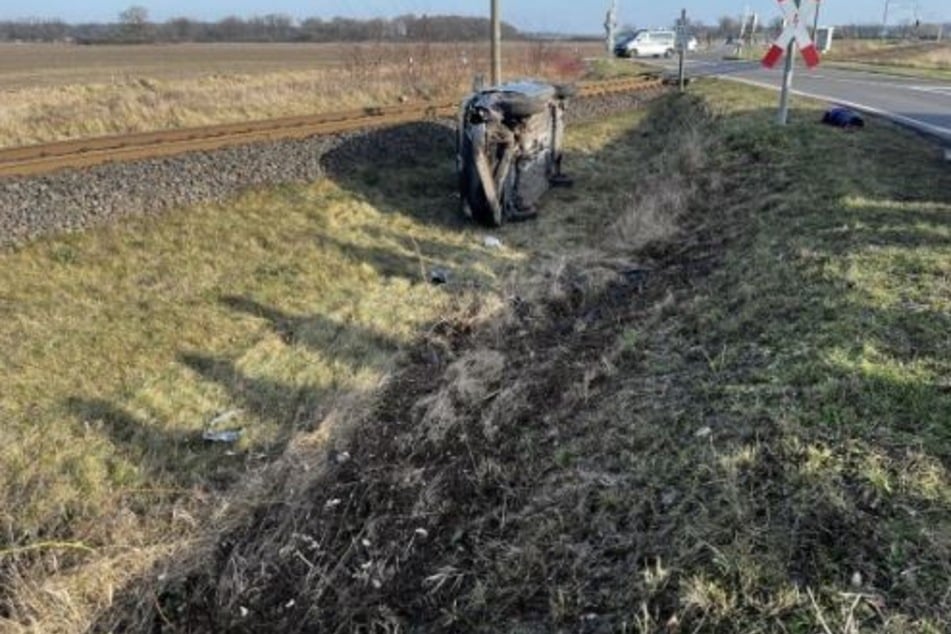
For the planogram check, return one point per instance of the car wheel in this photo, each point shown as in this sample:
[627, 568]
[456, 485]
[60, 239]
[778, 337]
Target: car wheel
[635, 53]
[669, 53]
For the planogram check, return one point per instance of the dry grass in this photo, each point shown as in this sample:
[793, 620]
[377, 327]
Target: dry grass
[652, 208]
[157, 87]
[924, 57]
[121, 345]
[739, 426]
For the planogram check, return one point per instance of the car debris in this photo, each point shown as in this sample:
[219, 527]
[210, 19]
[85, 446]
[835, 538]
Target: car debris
[439, 277]
[509, 150]
[222, 436]
[340, 457]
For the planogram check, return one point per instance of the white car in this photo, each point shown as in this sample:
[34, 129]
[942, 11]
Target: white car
[646, 43]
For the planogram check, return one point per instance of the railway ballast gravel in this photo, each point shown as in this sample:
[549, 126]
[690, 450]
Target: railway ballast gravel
[76, 200]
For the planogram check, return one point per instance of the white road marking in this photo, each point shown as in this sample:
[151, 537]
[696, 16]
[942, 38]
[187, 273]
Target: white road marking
[937, 88]
[894, 116]
[941, 90]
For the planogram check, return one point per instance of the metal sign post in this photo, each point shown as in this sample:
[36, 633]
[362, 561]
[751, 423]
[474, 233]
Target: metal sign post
[794, 33]
[783, 117]
[496, 44]
[682, 40]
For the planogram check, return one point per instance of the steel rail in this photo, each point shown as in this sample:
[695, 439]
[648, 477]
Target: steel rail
[34, 160]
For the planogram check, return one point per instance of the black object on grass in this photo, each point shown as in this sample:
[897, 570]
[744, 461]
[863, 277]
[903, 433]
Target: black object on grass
[843, 118]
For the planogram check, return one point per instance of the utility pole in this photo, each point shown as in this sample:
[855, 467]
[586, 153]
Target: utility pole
[885, 21]
[783, 116]
[496, 44]
[815, 23]
[610, 28]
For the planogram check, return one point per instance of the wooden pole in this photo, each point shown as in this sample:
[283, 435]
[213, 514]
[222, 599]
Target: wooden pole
[885, 21]
[496, 44]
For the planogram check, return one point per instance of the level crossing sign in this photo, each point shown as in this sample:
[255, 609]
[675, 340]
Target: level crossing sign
[797, 15]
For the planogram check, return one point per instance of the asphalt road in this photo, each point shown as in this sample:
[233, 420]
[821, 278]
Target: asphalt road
[923, 104]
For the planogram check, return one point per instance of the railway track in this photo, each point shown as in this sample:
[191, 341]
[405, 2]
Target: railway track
[51, 157]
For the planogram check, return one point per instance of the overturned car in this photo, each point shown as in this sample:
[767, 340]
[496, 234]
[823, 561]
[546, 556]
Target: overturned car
[509, 150]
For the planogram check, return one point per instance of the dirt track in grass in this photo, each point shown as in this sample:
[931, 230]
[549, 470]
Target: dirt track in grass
[712, 396]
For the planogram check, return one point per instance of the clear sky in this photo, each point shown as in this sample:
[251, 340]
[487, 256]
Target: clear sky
[584, 16]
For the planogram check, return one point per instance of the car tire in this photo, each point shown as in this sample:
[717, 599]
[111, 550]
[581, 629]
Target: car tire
[669, 53]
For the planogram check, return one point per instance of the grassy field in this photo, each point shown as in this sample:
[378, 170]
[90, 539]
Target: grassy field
[708, 390]
[63, 92]
[743, 429]
[120, 346]
[925, 59]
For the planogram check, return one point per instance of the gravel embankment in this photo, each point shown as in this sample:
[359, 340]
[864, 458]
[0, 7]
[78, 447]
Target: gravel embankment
[74, 200]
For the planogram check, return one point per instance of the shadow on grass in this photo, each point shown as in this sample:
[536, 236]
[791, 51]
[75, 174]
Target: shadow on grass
[709, 488]
[415, 259]
[385, 260]
[346, 342]
[860, 226]
[407, 169]
[290, 408]
[159, 452]
[184, 458]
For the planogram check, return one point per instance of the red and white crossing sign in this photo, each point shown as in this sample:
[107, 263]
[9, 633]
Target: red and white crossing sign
[796, 20]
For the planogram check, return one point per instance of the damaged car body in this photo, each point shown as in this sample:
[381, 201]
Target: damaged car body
[509, 150]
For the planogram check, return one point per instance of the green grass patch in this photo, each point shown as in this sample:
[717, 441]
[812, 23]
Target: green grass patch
[120, 346]
[745, 429]
[715, 396]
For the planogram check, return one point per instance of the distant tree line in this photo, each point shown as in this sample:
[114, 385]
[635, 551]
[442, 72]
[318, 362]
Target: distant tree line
[905, 30]
[727, 27]
[134, 26]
